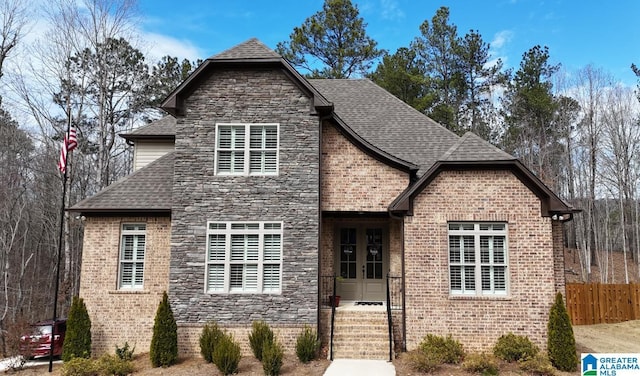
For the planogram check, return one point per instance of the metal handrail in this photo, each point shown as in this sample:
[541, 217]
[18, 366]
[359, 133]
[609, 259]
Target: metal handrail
[389, 320]
[333, 315]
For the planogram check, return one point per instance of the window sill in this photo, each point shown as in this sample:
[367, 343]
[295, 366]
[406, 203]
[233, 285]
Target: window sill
[480, 297]
[127, 292]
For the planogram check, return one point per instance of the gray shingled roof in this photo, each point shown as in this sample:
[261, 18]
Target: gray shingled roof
[165, 127]
[147, 189]
[371, 112]
[386, 121]
[253, 49]
[471, 147]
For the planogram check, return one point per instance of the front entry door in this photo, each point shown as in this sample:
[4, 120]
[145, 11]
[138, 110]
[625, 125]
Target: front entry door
[362, 260]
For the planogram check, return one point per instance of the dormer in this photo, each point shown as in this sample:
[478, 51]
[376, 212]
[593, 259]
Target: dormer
[152, 141]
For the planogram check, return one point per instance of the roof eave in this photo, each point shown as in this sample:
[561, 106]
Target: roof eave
[550, 203]
[174, 104]
[119, 211]
[135, 137]
[372, 150]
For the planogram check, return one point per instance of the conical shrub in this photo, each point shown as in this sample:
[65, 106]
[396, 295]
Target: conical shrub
[561, 343]
[164, 343]
[77, 340]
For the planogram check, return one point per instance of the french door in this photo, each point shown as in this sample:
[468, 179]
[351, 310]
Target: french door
[362, 260]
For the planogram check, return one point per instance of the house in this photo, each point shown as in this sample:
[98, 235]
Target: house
[261, 185]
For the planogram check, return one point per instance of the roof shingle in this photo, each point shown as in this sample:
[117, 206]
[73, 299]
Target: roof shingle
[251, 49]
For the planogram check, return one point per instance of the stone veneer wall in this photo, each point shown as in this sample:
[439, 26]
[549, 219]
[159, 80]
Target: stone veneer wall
[245, 96]
[119, 315]
[353, 180]
[478, 322]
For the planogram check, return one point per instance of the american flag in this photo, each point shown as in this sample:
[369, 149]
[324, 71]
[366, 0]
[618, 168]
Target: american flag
[70, 142]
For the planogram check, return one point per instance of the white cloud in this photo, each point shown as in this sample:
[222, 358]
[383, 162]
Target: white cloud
[159, 45]
[498, 47]
[390, 10]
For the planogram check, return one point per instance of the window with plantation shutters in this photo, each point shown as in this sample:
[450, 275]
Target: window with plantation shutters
[244, 257]
[132, 249]
[478, 259]
[247, 149]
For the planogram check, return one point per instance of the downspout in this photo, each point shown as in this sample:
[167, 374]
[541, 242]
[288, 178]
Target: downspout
[321, 120]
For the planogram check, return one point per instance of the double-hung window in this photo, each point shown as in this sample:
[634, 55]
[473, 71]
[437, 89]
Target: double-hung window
[244, 257]
[478, 259]
[132, 247]
[247, 149]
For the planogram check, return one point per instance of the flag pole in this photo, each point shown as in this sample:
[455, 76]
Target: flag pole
[60, 239]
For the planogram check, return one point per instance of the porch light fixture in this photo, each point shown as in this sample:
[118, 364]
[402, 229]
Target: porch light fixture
[557, 217]
[373, 250]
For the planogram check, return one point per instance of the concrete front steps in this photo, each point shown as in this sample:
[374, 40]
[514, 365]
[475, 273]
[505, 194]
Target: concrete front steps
[361, 334]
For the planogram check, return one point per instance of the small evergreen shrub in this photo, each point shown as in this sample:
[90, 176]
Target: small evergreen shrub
[561, 343]
[511, 347]
[260, 335]
[80, 367]
[272, 354]
[539, 365]
[77, 340]
[424, 362]
[482, 363]
[125, 352]
[113, 365]
[209, 337]
[448, 350]
[307, 345]
[164, 342]
[226, 355]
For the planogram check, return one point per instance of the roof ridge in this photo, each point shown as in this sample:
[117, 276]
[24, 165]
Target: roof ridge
[454, 147]
[252, 48]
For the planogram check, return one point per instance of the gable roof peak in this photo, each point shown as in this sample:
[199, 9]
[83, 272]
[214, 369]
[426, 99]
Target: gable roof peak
[471, 147]
[250, 49]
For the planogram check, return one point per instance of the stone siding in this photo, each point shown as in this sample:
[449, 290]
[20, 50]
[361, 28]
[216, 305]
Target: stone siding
[119, 316]
[353, 180]
[246, 96]
[478, 322]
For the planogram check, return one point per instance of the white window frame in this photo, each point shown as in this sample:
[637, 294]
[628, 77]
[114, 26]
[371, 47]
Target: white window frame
[224, 262]
[139, 230]
[247, 150]
[493, 263]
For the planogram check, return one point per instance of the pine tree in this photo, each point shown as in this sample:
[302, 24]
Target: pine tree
[164, 343]
[561, 343]
[77, 341]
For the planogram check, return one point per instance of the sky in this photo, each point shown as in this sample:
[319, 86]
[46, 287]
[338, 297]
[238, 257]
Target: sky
[603, 34]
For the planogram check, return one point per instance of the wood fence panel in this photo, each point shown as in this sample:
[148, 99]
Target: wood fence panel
[595, 303]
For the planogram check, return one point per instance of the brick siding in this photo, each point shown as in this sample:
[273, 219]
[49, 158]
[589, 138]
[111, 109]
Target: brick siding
[116, 315]
[353, 180]
[532, 267]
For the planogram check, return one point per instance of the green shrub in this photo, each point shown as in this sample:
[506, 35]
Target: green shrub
[448, 350]
[561, 343]
[424, 362]
[259, 336]
[484, 364]
[209, 337]
[272, 354]
[511, 347]
[109, 365]
[125, 352]
[164, 342]
[77, 340]
[80, 367]
[226, 355]
[307, 345]
[539, 365]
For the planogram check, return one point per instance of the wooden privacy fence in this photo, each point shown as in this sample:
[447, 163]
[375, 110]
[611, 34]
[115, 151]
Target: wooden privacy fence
[595, 303]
